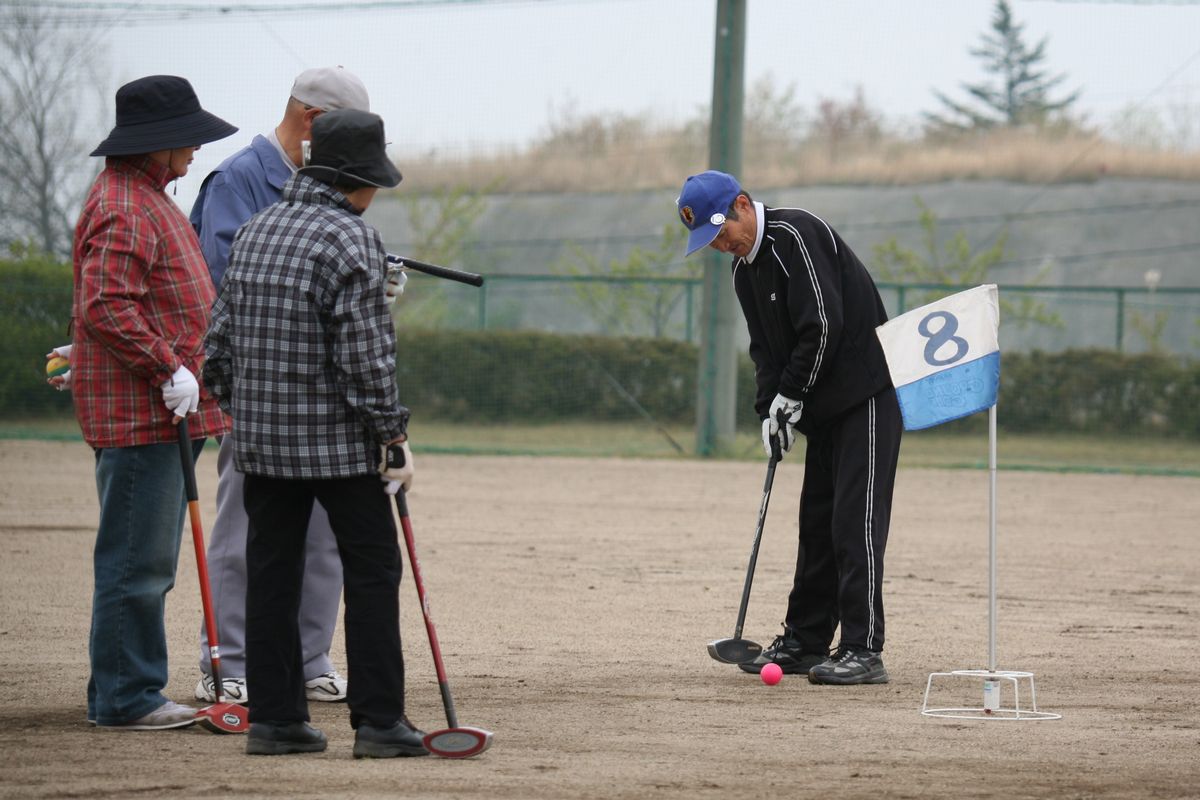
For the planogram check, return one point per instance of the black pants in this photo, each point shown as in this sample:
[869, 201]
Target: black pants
[845, 509]
[361, 518]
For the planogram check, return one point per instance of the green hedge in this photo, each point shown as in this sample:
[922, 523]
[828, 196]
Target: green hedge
[1099, 391]
[532, 376]
[527, 376]
[35, 308]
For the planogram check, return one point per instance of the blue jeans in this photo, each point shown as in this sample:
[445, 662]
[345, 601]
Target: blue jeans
[142, 506]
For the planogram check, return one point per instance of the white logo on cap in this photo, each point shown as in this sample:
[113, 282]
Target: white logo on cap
[717, 219]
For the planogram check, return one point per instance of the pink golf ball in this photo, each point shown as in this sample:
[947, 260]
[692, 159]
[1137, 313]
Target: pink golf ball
[771, 674]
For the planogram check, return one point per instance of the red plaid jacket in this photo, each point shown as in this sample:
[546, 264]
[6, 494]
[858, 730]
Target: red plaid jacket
[141, 306]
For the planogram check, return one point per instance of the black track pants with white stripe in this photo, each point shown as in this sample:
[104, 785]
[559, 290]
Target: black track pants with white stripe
[845, 508]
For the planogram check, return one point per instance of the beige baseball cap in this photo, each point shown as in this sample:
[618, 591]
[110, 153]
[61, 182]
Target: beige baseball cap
[331, 88]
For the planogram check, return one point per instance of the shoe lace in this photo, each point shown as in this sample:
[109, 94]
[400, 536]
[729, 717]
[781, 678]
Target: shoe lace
[781, 644]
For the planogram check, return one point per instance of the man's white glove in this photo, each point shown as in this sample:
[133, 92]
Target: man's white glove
[61, 382]
[394, 287]
[182, 393]
[396, 467]
[782, 418]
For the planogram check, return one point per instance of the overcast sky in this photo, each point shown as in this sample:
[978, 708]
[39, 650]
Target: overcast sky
[460, 74]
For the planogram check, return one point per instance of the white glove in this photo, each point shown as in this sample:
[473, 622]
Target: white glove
[766, 436]
[396, 467]
[782, 418]
[182, 393]
[61, 382]
[395, 284]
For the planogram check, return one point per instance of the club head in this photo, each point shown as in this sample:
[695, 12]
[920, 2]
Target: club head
[734, 651]
[224, 718]
[458, 742]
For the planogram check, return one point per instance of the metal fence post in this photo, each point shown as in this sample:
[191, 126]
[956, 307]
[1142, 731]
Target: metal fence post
[689, 301]
[1120, 320]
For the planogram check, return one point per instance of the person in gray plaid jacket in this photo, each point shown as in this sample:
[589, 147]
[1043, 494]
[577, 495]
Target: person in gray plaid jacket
[301, 354]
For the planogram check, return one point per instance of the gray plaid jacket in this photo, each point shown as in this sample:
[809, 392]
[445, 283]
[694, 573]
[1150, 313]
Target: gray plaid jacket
[301, 348]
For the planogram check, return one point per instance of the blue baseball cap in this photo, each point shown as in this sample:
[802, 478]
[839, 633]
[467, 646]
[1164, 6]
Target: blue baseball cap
[702, 206]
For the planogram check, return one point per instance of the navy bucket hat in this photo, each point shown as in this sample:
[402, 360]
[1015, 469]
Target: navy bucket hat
[160, 112]
[350, 143]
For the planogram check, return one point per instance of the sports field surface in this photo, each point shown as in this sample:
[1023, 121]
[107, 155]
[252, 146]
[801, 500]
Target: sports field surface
[574, 599]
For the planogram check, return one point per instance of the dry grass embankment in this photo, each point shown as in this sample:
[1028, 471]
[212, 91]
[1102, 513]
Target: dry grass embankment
[656, 160]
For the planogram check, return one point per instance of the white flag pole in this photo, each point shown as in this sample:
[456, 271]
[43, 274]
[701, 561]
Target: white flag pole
[992, 537]
[994, 680]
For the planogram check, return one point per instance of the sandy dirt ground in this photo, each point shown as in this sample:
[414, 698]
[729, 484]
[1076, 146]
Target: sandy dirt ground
[574, 599]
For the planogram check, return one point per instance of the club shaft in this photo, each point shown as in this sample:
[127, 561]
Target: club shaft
[448, 273]
[758, 531]
[193, 503]
[430, 629]
[448, 704]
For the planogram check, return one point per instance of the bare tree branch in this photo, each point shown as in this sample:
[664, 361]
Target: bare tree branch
[45, 75]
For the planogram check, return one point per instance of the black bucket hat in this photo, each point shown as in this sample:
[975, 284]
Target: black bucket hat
[350, 143]
[160, 112]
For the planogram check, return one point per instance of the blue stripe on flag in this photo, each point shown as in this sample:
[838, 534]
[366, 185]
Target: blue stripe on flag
[950, 394]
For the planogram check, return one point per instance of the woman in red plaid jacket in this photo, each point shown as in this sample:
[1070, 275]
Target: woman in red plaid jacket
[140, 309]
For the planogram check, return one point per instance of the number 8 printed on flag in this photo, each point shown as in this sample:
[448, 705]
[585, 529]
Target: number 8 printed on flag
[944, 357]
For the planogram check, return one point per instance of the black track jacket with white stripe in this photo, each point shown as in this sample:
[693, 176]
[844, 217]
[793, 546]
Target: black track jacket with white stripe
[811, 309]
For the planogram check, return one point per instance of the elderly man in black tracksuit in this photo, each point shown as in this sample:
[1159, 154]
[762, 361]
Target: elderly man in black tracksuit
[811, 309]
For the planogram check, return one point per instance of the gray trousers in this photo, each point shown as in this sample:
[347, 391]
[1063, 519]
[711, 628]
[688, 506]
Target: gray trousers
[227, 575]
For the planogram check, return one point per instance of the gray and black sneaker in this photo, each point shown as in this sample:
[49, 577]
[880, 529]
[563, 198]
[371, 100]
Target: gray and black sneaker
[788, 654]
[850, 666]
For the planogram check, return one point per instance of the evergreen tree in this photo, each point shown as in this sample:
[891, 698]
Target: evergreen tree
[1023, 94]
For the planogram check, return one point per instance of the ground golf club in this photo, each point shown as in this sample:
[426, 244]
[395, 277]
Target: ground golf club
[220, 717]
[454, 741]
[737, 650]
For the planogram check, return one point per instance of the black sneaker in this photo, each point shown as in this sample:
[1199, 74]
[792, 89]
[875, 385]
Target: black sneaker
[788, 654]
[850, 666]
[281, 738]
[402, 739]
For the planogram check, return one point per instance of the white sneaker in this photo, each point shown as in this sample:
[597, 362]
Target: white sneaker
[168, 715]
[233, 690]
[327, 688]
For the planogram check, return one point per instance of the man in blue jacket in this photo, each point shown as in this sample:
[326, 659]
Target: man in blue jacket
[811, 309]
[244, 184]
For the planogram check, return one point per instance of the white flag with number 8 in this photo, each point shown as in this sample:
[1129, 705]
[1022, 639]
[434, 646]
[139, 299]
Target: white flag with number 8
[944, 357]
